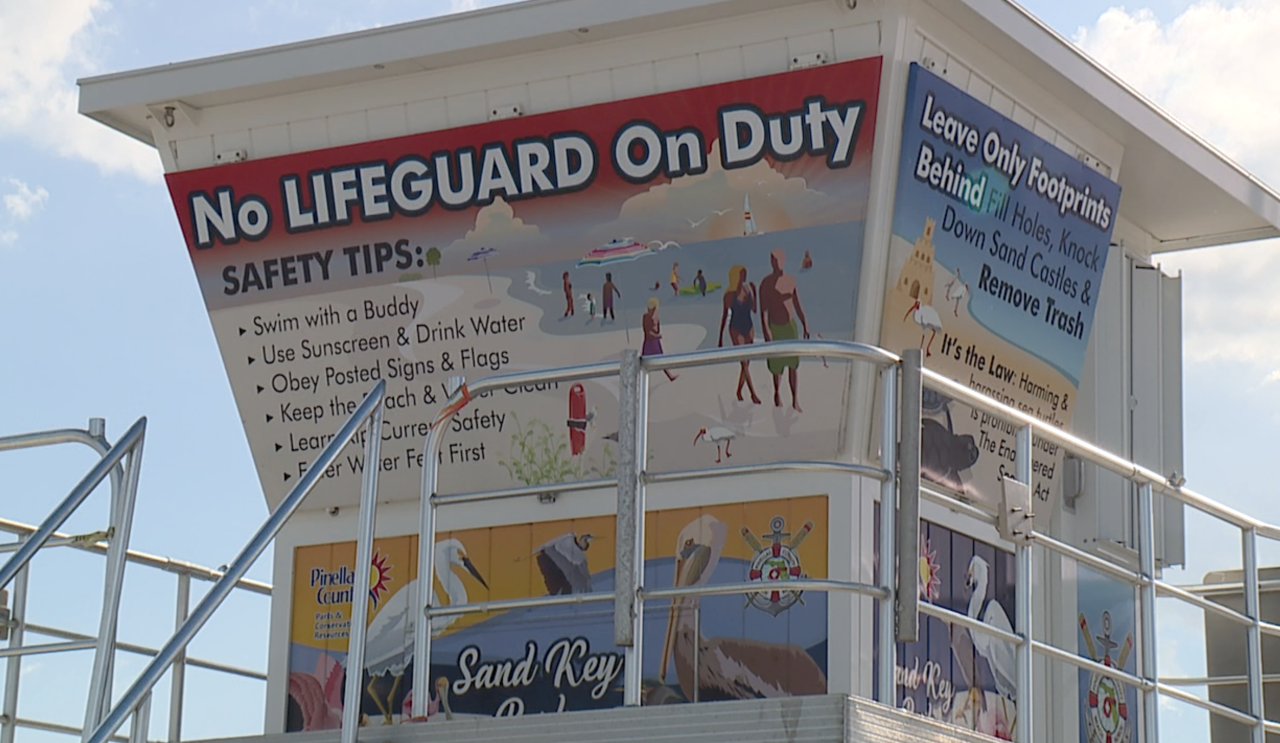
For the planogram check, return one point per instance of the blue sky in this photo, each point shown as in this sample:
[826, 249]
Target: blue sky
[103, 316]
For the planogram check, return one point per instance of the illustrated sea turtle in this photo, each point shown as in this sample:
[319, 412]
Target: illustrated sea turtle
[943, 454]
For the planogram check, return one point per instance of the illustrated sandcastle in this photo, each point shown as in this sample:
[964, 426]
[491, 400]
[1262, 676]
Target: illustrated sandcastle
[916, 279]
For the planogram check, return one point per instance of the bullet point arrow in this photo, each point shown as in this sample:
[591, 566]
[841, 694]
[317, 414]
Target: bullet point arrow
[250, 360]
[242, 331]
[269, 418]
[260, 389]
[279, 447]
[286, 477]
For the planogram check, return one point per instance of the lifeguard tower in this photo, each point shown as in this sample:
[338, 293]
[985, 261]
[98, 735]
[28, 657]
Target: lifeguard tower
[864, 512]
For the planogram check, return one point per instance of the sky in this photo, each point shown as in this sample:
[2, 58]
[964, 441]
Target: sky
[103, 316]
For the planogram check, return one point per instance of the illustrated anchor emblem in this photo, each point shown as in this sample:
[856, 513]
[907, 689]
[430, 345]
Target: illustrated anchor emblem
[1106, 712]
[777, 561]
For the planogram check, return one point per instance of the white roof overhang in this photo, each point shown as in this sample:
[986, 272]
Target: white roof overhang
[1177, 187]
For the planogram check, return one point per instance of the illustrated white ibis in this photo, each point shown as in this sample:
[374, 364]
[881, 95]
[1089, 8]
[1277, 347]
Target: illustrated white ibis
[717, 435]
[389, 644]
[927, 318]
[956, 290]
[563, 562]
[1000, 655]
[728, 667]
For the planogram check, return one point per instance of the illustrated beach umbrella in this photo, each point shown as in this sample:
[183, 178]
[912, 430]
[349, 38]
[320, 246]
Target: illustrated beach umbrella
[615, 251]
[483, 255]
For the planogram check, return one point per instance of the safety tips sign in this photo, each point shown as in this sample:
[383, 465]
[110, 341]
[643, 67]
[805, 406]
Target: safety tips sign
[526, 661]
[723, 215]
[999, 245]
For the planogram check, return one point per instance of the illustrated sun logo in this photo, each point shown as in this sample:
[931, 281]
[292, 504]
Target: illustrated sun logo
[930, 586]
[379, 578]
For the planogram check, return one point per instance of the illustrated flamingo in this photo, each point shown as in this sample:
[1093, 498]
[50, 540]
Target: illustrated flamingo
[956, 291]
[716, 435]
[927, 318]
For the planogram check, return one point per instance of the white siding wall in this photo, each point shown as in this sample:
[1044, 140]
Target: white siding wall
[574, 76]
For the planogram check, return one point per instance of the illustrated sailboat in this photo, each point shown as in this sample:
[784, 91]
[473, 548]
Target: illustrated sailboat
[748, 224]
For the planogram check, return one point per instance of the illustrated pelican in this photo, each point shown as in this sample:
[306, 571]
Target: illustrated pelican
[389, 644]
[956, 290]
[442, 694]
[728, 667]
[563, 562]
[716, 435]
[999, 654]
[927, 318]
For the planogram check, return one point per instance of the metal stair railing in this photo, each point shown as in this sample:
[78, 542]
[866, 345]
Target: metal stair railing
[122, 462]
[18, 625]
[902, 379]
[136, 699]
[630, 594]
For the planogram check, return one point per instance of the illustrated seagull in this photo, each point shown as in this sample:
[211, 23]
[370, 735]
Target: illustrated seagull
[695, 224]
[530, 280]
[722, 212]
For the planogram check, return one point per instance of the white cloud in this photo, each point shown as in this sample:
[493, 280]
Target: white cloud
[1213, 67]
[462, 6]
[43, 47]
[20, 204]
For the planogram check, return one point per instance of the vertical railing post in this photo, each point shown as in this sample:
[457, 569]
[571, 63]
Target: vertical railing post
[627, 575]
[1253, 648]
[1147, 612]
[117, 549]
[908, 599]
[886, 686]
[1024, 580]
[13, 664]
[141, 721]
[426, 570]
[178, 677]
[360, 591]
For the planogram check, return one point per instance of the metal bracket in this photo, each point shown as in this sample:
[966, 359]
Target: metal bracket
[1015, 518]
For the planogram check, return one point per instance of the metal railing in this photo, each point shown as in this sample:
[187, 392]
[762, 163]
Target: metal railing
[898, 531]
[121, 462]
[135, 702]
[897, 602]
[184, 572]
[630, 593]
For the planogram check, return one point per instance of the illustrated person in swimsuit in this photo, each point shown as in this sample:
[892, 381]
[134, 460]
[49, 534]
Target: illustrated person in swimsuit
[777, 291]
[675, 280]
[739, 305]
[568, 295]
[606, 298]
[700, 283]
[653, 334]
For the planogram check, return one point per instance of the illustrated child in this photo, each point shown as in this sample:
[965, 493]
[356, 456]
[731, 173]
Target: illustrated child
[675, 280]
[700, 282]
[591, 306]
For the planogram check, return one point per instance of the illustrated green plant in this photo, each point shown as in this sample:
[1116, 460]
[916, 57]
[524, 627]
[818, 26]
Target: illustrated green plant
[540, 456]
[433, 259]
